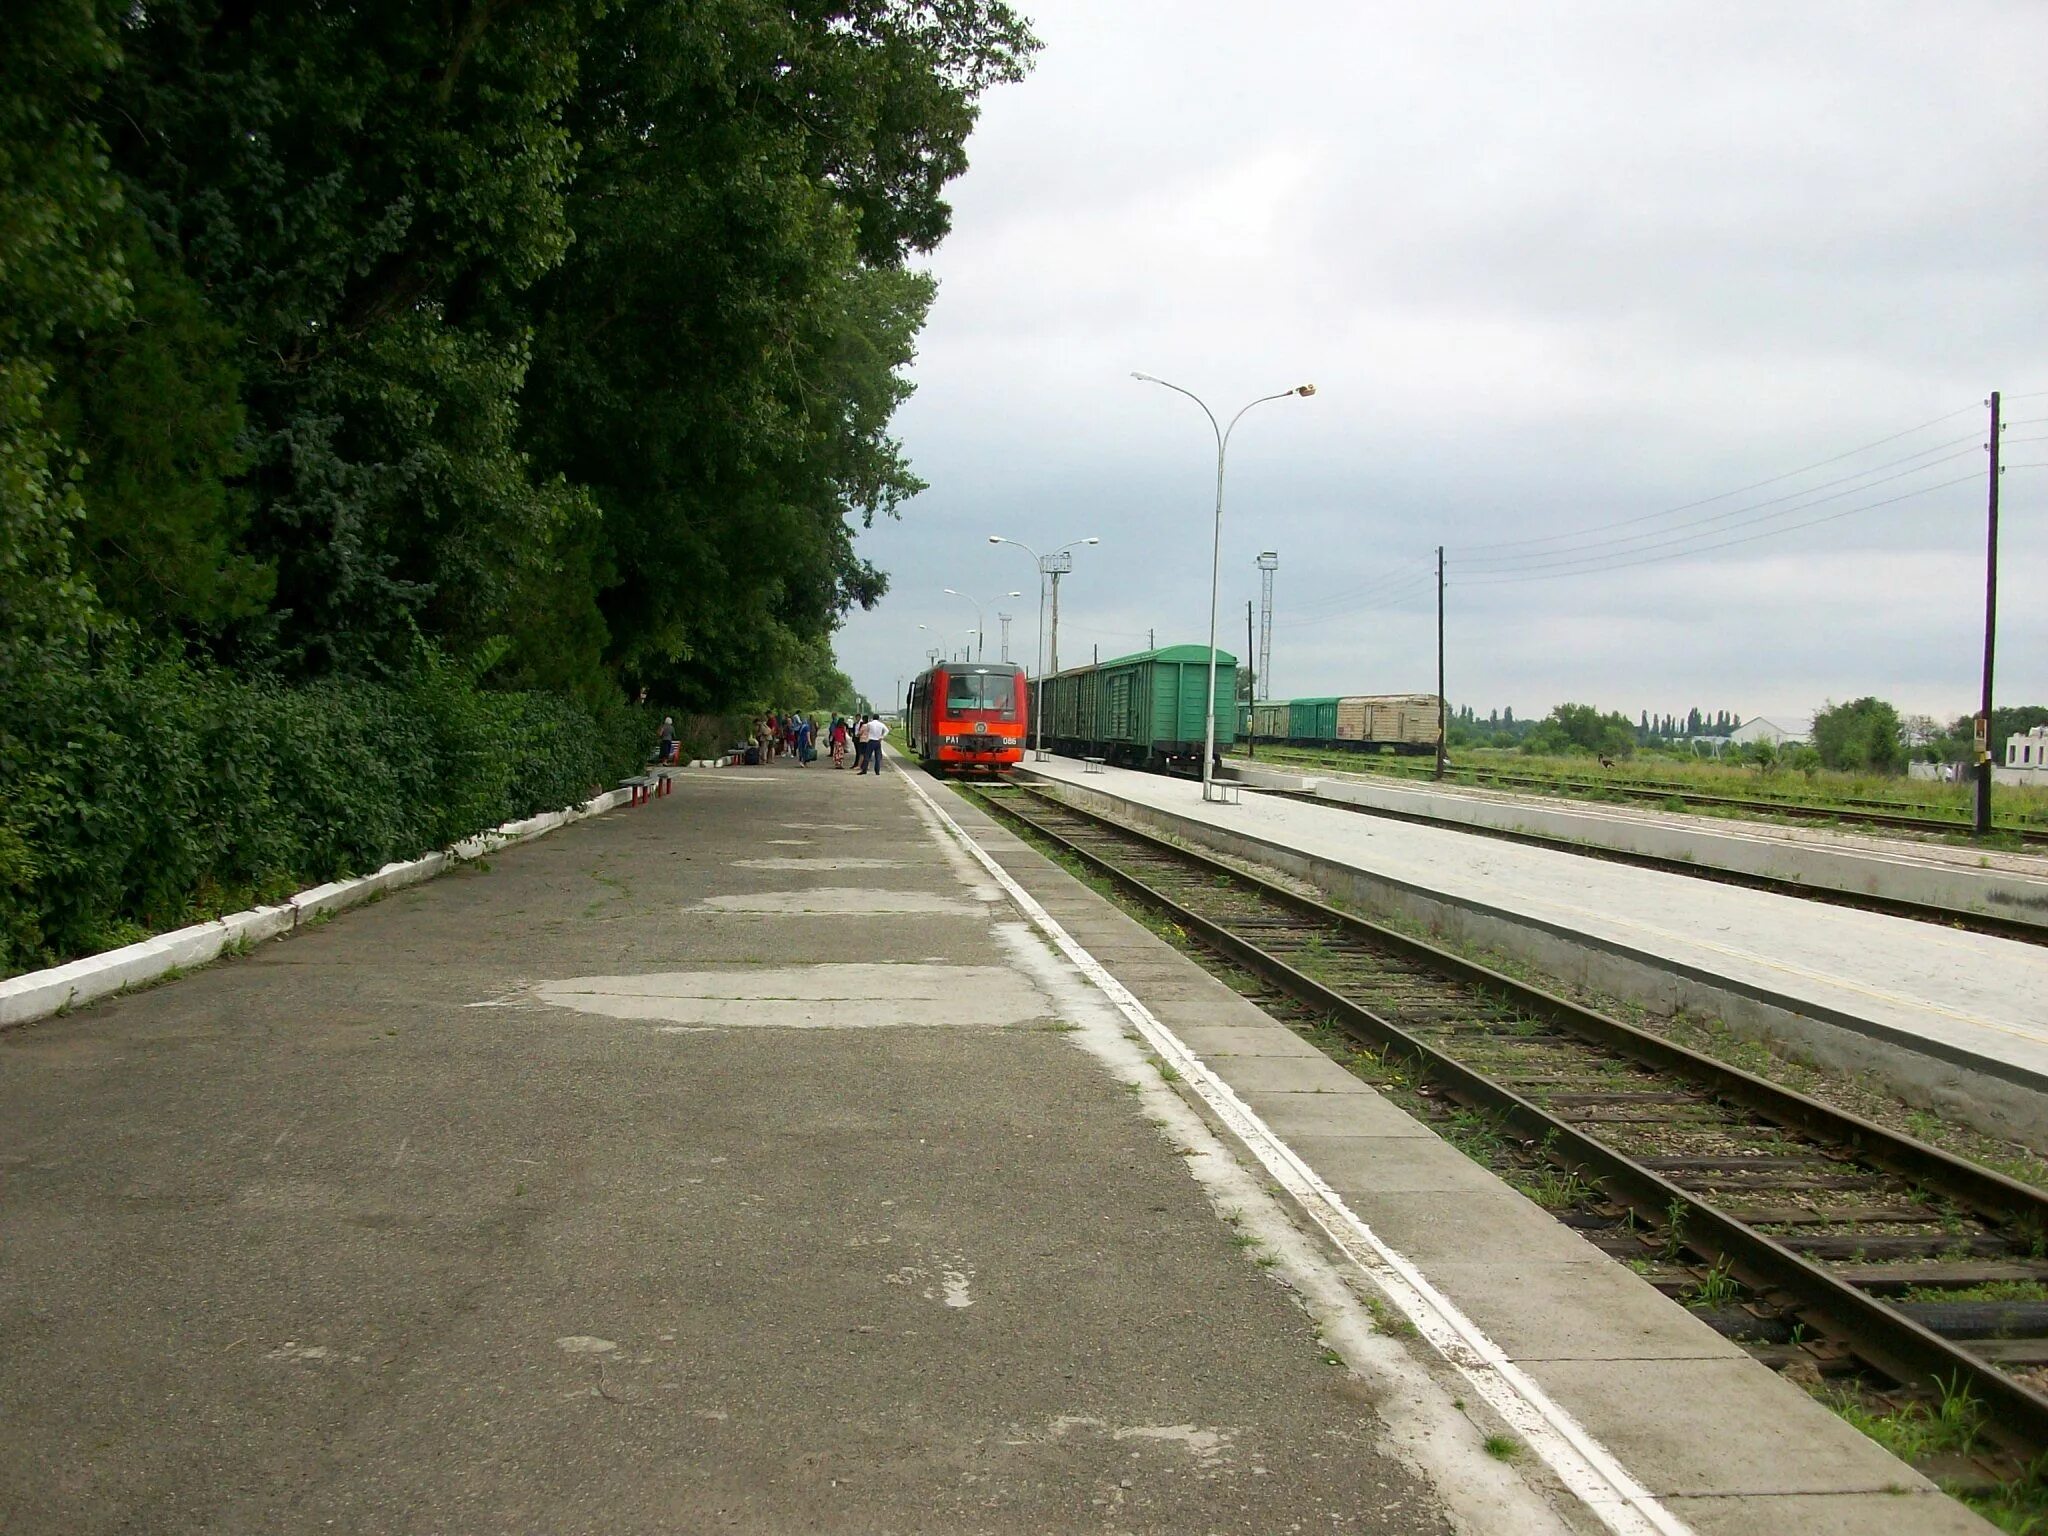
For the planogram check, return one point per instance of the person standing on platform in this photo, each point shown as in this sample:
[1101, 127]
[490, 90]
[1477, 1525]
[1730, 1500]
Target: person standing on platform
[875, 730]
[837, 738]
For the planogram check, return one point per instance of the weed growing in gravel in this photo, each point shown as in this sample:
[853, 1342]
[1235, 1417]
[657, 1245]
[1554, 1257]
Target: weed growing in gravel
[1716, 1289]
[1503, 1447]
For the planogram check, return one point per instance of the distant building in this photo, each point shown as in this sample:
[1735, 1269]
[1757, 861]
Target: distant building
[2026, 758]
[1777, 732]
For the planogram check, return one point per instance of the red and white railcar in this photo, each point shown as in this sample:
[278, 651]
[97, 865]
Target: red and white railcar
[968, 716]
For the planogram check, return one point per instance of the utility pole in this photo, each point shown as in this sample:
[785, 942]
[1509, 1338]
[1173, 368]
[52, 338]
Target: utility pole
[1056, 566]
[1151, 639]
[1990, 631]
[1098, 653]
[1442, 708]
[1251, 693]
[1269, 562]
[1004, 620]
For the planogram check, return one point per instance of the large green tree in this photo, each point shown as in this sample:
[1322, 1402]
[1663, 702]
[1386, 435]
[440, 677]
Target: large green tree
[60, 279]
[720, 354]
[559, 335]
[362, 192]
[1863, 734]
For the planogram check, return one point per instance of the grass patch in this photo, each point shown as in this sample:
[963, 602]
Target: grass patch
[1388, 1319]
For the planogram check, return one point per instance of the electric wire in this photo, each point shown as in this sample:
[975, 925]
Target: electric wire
[1368, 593]
[1390, 599]
[1490, 580]
[1367, 590]
[1663, 539]
[1740, 490]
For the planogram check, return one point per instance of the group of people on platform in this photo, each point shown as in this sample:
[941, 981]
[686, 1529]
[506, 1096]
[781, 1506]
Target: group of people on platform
[797, 736]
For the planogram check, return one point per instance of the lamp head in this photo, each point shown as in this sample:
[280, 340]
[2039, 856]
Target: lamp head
[995, 538]
[1304, 390]
[1091, 541]
[1144, 378]
[951, 593]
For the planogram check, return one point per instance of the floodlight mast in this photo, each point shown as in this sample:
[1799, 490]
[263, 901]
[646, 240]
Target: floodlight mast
[1209, 791]
[1042, 562]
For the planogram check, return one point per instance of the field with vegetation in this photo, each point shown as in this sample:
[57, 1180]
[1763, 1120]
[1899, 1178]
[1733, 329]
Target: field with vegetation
[1583, 777]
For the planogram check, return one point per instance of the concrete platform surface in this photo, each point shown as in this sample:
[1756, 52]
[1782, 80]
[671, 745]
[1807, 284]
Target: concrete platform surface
[739, 1162]
[1975, 998]
[1717, 1442]
[2010, 886]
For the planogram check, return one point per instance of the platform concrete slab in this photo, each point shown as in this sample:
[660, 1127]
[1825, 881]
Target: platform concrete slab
[1908, 1512]
[1370, 1165]
[1331, 1114]
[1579, 1309]
[1218, 1040]
[1748, 1452]
[1472, 1227]
[1294, 1074]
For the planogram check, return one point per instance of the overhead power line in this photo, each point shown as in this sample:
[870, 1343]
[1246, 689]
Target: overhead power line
[1670, 538]
[1365, 592]
[1740, 490]
[1491, 580]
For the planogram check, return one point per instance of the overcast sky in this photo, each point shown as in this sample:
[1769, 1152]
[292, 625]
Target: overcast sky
[1552, 269]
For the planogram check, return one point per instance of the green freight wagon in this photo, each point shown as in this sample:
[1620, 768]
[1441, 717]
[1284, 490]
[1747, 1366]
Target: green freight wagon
[1144, 711]
[1312, 720]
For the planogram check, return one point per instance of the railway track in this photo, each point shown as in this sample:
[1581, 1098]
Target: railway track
[1861, 813]
[1854, 1248]
[1947, 917]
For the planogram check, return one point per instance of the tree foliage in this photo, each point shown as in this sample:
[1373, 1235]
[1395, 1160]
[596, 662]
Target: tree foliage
[565, 333]
[552, 341]
[1862, 734]
[1584, 729]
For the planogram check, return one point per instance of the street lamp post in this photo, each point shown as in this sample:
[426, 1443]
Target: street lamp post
[1215, 556]
[979, 627]
[1038, 714]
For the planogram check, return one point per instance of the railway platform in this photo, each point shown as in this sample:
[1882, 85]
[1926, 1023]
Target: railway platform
[801, 1151]
[1954, 1019]
[2010, 888]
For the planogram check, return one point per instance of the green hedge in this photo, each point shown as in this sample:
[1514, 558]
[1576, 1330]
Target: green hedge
[137, 797]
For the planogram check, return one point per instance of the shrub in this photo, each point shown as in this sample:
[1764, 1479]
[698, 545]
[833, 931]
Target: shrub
[139, 794]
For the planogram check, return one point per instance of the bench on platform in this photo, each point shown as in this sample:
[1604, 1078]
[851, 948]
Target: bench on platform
[646, 786]
[1091, 764]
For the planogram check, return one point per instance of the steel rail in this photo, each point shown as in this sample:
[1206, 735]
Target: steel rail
[1892, 1342]
[1890, 906]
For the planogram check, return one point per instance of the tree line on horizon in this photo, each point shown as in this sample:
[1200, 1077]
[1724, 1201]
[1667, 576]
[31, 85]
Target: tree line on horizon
[1865, 734]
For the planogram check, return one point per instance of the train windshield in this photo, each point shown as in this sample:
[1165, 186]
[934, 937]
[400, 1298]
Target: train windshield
[982, 690]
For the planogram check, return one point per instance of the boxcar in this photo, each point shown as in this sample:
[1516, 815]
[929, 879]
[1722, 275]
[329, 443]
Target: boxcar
[1404, 722]
[1143, 711]
[962, 716]
[1312, 720]
[1387, 722]
[1269, 719]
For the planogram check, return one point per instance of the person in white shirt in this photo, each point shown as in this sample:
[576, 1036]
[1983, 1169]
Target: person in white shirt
[871, 735]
